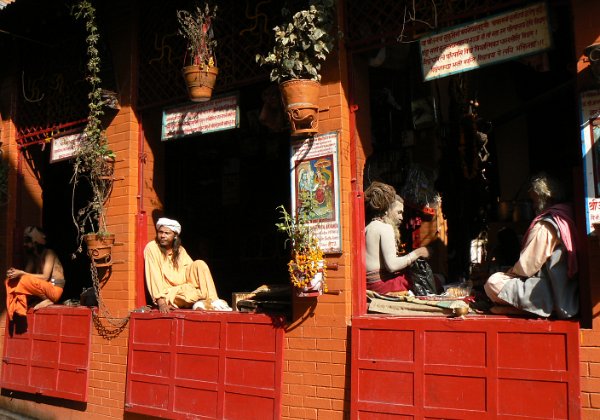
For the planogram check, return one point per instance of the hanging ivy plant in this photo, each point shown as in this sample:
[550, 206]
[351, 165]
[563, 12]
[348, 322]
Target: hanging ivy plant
[94, 161]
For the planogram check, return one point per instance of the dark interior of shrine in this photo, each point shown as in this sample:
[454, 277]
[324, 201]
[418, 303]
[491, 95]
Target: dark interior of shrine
[423, 127]
[224, 188]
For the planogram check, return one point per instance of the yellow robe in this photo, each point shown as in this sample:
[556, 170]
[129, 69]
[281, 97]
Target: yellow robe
[181, 287]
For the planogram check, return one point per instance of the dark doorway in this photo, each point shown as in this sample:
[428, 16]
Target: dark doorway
[224, 188]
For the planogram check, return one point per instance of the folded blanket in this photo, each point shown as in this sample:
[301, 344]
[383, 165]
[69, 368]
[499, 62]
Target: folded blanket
[411, 305]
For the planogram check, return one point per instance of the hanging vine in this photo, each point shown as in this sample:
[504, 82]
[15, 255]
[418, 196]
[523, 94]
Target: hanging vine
[94, 161]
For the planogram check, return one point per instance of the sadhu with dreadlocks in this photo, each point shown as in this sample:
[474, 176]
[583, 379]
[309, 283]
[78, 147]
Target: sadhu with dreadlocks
[543, 281]
[42, 279]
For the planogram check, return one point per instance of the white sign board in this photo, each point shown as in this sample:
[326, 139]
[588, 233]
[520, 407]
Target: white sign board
[590, 143]
[65, 147]
[488, 41]
[314, 170]
[200, 117]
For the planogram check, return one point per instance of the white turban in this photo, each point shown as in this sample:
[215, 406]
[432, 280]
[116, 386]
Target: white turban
[36, 235]
[169, 223]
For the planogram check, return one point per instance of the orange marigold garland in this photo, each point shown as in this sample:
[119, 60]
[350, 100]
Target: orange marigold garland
[304, 266]
[308, 258]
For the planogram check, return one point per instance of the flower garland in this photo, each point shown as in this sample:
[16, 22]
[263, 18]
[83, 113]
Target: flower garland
[304, 266]
[308, 259]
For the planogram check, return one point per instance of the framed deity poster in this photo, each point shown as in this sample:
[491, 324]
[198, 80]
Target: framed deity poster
[315, 185]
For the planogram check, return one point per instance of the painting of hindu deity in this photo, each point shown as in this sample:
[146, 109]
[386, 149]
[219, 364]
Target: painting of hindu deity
[315, 190]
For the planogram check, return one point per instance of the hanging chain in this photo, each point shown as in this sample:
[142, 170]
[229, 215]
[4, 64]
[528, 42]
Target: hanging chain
[118, 324]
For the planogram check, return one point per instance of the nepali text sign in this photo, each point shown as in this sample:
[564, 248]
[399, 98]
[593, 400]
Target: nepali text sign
[489, 41]
[590, 142]
[593, 208]
[65, 147]
[200, 118]
[315, 179]
[590, 105]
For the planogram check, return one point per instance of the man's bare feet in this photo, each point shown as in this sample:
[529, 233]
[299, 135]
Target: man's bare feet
[43, 304]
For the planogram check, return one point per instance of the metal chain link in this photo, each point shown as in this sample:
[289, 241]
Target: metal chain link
[118, 324]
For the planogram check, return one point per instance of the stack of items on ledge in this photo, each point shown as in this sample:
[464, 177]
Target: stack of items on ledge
[266, 298]
[453, 302]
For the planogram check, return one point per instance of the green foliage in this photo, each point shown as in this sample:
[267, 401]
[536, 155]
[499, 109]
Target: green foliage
[94, 161]
[297, 228]
[302, 45]
[197, 29]
[307, 256]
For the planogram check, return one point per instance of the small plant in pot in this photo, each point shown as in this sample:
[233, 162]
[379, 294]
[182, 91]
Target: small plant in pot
[301, 46]
[93, 171]
[307, 267]
[94, 160]
[200, 71]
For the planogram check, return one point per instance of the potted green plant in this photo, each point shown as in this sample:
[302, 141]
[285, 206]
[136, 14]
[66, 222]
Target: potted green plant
[200, 64]
[94, 160]
[307, 267]
[301, 46]
[94, 167]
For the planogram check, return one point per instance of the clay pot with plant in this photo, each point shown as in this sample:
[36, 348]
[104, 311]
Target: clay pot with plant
[94, 161]
[94, 166]
[200, 71]
[301, 46]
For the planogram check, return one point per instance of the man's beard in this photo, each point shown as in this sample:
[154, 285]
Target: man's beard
[164, 249]
[30, 251]
[540, 207]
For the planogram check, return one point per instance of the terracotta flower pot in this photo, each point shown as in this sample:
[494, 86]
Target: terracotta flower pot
[99, 248]
[300, 101]
[200, 82]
